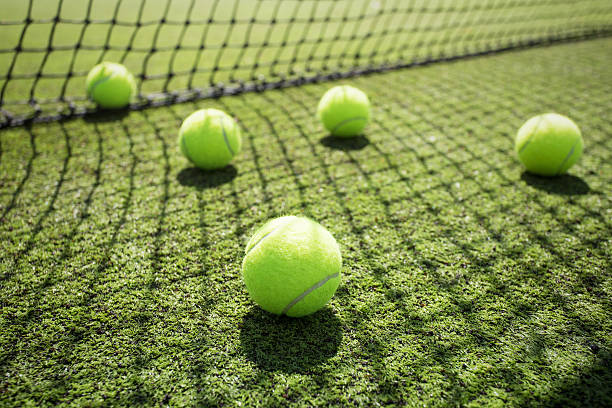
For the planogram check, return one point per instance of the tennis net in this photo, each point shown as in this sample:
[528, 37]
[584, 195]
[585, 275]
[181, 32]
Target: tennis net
[188, 49]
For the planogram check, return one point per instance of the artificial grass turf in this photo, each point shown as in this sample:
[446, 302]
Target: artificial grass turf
[466, 281]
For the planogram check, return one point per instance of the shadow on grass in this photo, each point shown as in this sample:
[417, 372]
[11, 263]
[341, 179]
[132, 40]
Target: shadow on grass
[108, 115]
[202, 179]
[290, 345]
[345, 143]
[588, 388]
[562, 185]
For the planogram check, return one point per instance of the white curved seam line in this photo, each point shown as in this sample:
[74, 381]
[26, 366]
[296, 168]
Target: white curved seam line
[184, 144]
[533, 132]
[262, 238]
[566, 157]
[308, 291]
[98, 82]
[225, 137]
[345, 121]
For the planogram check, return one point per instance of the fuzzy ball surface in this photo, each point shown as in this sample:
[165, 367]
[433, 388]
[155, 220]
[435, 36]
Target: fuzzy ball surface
[110, 85]
[209, 138]
[292, 266]
[344, 111]
[549, 144]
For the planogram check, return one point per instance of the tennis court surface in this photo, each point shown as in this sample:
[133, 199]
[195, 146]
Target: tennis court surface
[466, 281]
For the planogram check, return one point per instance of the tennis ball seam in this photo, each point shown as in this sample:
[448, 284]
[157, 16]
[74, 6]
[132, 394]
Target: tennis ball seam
[345, 121]
[261, 239]
[185, 149]
[266, 235]
[98, 82]
[533, 132]
[571, 152]
[225, 137]
[309, 291]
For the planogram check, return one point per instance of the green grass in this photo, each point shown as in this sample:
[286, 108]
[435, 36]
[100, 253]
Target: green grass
[466, 282]
[419, 30]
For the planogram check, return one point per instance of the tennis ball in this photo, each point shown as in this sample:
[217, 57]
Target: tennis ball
[110, 85]
[344, 110]
[292, 266]
[549, 144]
[209, 138]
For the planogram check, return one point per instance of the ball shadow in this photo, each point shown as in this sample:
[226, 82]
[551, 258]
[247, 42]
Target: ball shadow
[345, 143]
[106, 115]
[563, 185]
[203, 179]
[290, 345]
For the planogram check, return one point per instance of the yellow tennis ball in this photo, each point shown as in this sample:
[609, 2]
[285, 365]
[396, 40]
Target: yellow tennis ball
[344, 110]
[209, 138]
[292, 266]
[110, 85]
[549, 144]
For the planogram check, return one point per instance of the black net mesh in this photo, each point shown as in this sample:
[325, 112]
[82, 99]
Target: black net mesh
[187, 49]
